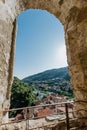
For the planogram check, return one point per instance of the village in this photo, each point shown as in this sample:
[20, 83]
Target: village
[51, 104]
[44, 109]
[50, 110]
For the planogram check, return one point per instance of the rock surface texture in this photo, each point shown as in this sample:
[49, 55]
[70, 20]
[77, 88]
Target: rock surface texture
[73, 15]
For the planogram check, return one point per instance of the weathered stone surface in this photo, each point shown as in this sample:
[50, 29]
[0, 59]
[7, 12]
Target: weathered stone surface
[73, 15]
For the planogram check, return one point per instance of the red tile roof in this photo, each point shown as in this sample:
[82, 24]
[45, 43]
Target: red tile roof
[45, 112]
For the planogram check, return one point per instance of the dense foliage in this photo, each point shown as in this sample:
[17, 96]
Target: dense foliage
[21, 94]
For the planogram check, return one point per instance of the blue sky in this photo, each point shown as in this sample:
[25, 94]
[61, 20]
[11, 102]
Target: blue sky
[40, 43]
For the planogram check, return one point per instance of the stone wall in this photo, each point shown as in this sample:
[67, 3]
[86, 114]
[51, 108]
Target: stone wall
[48, 126]
[22, 126]
[73, 15]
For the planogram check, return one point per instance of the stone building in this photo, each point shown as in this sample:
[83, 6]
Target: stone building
[73, 16]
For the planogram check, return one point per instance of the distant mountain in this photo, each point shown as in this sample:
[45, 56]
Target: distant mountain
[61, 73]
[54, 80]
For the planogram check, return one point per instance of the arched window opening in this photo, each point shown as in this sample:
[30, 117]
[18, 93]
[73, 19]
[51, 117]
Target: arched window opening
[40, 52]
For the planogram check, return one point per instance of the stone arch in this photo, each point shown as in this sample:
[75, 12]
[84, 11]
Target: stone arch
[73, 15]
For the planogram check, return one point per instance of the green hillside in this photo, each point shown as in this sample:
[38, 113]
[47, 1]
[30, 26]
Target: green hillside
[54, 80]
[49, 74]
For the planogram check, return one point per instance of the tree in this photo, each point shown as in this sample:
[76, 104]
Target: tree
[21, 94]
